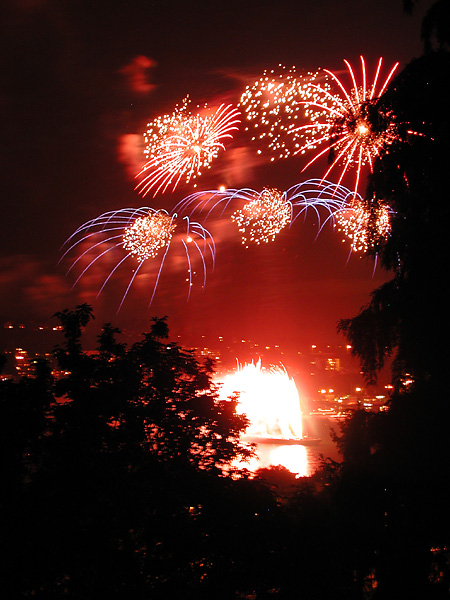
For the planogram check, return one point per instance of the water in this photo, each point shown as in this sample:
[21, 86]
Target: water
[299, 459]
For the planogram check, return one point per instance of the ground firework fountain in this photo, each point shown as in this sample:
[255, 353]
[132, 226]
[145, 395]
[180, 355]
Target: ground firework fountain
[270, 400]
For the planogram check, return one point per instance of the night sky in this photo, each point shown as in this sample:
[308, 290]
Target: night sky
[79, 81]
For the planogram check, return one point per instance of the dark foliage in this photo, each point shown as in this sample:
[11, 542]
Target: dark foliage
[116, 479]
[408, 316]
[436, 27]
[114, 476]
[396, 463]
[117, 482]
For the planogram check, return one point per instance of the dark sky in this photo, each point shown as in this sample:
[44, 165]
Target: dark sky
[79, 80]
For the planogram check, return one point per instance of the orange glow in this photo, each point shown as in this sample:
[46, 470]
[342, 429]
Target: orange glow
[292, 458]
[269, 398]
[181, 144]
[363, 129]
[147, 235]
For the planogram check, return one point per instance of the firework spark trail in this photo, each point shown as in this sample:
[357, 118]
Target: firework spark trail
[181, 144]
[363, 225]
[212, 199]
[143, 234]
[320, 196]
[262, 219]
[199, 232]
[271, 210]
[262, 216]
[355, 128]
[147, 235]
[272, 107]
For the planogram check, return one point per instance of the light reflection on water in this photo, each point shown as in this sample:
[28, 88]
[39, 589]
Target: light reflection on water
[294, 457]
[301, 460]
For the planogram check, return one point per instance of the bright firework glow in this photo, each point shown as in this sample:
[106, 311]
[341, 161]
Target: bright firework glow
[349, 122]
[143, 233]
[263, 215]
[181, 144]
[363, 226]
[147, 235]
[262, 218]
[269, 398]
[272, 107]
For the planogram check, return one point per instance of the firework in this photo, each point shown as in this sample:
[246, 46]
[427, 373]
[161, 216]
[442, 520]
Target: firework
[364, 226]
[180, 145]
[139, 235]
[350, 122]
[272, 107]
[268, 397]
[262, 215]
[147, 235]
[320, 196]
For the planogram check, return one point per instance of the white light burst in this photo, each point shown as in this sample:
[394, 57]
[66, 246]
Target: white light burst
[274, 104]
[364, 227]
[181, 144]
[348, 121]
[263, 217]
[269, 398]
[147, 235]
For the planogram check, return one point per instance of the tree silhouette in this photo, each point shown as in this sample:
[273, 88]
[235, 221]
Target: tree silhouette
[402, 456]
[112, 471]
[408, 316]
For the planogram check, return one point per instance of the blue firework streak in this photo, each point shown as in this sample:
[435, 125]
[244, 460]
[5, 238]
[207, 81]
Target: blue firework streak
[138, 235]
[271, 210]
